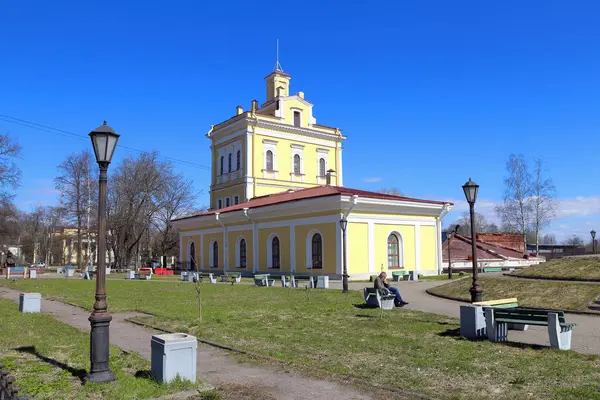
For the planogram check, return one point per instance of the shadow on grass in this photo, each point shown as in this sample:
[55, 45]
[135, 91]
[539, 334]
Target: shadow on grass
[364, 306]
[145, 374]
[78, 373]
[455, 333]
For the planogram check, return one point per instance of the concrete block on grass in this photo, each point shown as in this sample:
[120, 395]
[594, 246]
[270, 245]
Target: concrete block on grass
[30, 302]
[472, 322]
[172, 355]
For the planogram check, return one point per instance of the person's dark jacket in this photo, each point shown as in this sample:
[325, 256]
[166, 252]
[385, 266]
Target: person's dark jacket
[381, 285]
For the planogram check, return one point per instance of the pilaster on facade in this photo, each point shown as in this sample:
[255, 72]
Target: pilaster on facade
[201, 263]
[292, 247]
[417, 246]
[371, 245]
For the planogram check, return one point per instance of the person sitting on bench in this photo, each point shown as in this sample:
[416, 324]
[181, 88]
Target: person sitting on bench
[381, 283]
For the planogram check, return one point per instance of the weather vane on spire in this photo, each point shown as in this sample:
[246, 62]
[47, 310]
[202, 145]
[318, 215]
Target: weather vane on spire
[278, 66]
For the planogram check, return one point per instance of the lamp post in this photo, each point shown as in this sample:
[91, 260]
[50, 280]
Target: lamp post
[450, 234]
[593, 233]
[344, 225]
[471, 188]
[104, 140]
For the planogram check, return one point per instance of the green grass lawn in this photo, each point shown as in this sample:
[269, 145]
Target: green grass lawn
[48, 359]
[333, 332]
[530, 293]
[565, 268]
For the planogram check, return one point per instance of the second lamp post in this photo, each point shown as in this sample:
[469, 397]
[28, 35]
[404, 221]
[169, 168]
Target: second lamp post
[471, 188]
[593, 233]
[344, 225]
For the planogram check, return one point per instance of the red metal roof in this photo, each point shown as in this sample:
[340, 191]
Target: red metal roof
[461, 250]
[310, 193]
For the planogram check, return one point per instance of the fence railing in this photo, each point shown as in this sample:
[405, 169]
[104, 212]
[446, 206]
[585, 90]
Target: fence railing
[8, 390]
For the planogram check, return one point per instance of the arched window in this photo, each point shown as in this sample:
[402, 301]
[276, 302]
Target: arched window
[215, 254]
[317, 251]
[393, 251]
[242, 263]
[275, 263]
[192, 256]
[238, 162]
[322, 167]
[229, 162]
[296, 164]
[222, 162]
[269, 160]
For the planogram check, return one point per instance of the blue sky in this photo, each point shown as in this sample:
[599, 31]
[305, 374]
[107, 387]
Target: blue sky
[429, 93]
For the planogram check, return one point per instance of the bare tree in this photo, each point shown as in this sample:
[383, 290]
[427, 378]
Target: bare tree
[515, 213]
[178, 200]
[574, 240]
[549, 238]
[394, 191]
[78, 187]
[481, 224]
[543, 205]
[10, 174]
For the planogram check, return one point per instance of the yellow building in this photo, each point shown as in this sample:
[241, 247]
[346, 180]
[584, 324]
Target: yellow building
[277, 198]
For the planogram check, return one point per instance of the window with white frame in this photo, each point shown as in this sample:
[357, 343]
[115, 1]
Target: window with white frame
[394, 251]
[314, 250]
[273, 252]
[296, 164]
[236, 200]
[238, 161]
[213, 256]
[270, 156]
[241, 253]
[229, 162]
[322, 167]
[227, 202]
[269, 160]
[219, 203]
[322, 162]
[222, 163]
[297, 118]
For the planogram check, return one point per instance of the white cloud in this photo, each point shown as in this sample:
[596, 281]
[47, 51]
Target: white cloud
[372, 180]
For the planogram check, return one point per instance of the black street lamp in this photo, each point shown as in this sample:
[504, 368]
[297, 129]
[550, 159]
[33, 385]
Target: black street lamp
[593, 233]
[450, 234]
[104, 140]
[471, 188]
[344, 225]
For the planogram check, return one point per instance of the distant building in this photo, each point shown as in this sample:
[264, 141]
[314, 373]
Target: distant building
[551, 251]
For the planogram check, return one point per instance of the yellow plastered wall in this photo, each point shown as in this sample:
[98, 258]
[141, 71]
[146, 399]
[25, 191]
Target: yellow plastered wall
[283, 162]
[358, 248]
[407, 233]
[291, 105]
[428, 248]
[216, 170]
[328, 234]
[207, 241]
[284, 248]
[236, 190]
[233, 250]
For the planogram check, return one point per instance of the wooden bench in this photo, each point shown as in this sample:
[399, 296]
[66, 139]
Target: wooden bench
[400, 276]
[559, 331]
[143, 274]
[374, 298]
[312, 280]
[511, 302]
[263, 280]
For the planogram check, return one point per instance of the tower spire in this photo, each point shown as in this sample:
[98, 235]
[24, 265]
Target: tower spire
[278, 66]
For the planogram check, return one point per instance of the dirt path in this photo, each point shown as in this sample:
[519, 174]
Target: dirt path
[216, 366]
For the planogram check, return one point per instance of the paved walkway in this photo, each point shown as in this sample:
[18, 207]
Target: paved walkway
[214, 366]
[585, 339]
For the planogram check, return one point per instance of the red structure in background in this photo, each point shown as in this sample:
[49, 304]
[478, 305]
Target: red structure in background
[161, 271]
[512, 241]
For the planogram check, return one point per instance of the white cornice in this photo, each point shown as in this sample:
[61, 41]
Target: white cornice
[298, 131]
